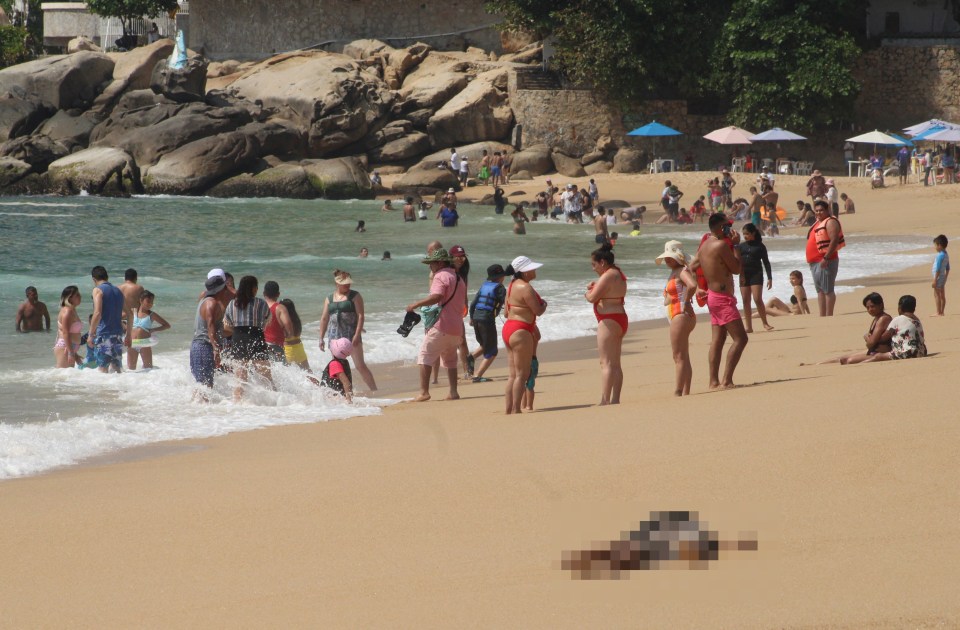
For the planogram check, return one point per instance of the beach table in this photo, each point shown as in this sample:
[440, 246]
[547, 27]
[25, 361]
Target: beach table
[790, 163]
[863, 168]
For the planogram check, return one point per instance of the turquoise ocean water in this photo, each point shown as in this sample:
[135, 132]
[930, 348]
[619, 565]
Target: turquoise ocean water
[51, 418]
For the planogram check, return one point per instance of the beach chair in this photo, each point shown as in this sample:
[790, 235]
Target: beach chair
[738, 165]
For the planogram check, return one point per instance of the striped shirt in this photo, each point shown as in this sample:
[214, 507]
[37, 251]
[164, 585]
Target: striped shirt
[255, 314]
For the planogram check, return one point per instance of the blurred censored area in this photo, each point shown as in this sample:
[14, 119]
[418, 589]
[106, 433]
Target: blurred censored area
[669, 540]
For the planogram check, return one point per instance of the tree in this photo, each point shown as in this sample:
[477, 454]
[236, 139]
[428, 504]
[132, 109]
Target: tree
[784, 63]
[13, 49]
[628, 49]
[129, 10]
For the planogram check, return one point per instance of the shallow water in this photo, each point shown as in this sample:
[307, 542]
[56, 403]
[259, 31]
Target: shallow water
[50, 417]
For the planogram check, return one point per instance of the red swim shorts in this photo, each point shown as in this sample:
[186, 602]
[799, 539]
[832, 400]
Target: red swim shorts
[723, 308]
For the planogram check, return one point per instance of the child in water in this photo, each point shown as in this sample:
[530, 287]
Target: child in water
[337, 375]
[361, 226]
[142, 339]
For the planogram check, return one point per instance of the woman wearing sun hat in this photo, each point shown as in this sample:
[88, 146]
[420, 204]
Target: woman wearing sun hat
[520, 333]
[677, 295]
[343, 317]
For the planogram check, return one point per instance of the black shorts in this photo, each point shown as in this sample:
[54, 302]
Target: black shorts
[248, 344]
[751, 279]
[486, 334]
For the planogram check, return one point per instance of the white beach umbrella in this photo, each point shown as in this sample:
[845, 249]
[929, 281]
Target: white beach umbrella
[729, 135]
[876, 137]
[919, 128]
[776, 135]
[947, 135]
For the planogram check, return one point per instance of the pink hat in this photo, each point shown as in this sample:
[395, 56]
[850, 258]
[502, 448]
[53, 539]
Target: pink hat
[341, 348]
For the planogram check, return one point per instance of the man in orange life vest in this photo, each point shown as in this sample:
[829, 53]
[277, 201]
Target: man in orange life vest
[824, 241]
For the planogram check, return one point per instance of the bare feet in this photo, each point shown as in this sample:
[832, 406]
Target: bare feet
[453, 397]
[767, 327]
[421, 398]
[749, 330]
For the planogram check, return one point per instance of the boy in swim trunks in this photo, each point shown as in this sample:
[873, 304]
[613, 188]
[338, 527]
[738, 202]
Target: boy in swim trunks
[719, 258]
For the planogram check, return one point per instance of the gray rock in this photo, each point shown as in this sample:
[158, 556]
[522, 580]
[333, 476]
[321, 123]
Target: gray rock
[520, 176]
[153, 132]
[628, 160]
[60, 81]
[196, 166]
[394, 130]
[427, 181]
[132, 71]
[480, 111]
[420, 118]
[69, 128]
[183, 86]
[536, 160]
[365, 48]
[288, 180]
[566, 165]
[472, 152]
[37, 150]
[595, 168]
[590, 158]
[326, 94]
[339, 178]
[11, 170]
[401, 149]
[277, 137]
[81, 43]
[100, 171]
[19, 117]
[432, 90]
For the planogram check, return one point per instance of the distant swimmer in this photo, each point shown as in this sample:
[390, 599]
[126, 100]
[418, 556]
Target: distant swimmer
[32, 316]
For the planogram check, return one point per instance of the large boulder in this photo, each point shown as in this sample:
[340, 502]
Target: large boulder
[473, 152]
[19, 117]
[37, 150]
[151, 133]
[339, 178]
[432, 89]
[426, 181]
[82, 43]
[277, 137]
[628, 160]
[182, 85]
[536, 160]
[99, 171]
[401, 149]
[325, 93]
[194, 167]
[288, 180]
[566, 165]
[365, 48]
[595, 168]
[480, 111]
[11, 170]
[61, 81]
[68, 127]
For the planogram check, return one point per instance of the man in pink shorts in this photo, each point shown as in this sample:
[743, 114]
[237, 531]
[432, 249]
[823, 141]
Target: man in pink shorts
[443, 335]
[719, 258]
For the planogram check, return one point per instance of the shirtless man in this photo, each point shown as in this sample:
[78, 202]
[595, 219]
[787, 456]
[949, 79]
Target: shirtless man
[31, 312]
[720, 259]
[408, 212]
[600, 225]
[770, 199]
[131, 299]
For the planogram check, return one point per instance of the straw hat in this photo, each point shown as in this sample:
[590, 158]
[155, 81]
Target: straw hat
[342, 277]
[673, 249]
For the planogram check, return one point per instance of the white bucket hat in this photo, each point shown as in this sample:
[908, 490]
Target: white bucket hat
[521, 264]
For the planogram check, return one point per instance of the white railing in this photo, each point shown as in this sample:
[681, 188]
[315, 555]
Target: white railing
[111, 29]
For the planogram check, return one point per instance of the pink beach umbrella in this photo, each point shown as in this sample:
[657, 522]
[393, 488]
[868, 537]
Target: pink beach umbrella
[730, 135]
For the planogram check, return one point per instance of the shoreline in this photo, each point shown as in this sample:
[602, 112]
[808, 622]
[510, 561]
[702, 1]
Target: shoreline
[426, 513]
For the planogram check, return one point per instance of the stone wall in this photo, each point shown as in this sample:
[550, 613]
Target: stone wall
[569, 120]
[62, 21]
[252, 29]
[901, 86]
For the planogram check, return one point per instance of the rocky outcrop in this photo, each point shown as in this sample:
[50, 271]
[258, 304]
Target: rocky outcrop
[99, 171]
[60, 81]
[11, 170]
[132, 71]
[68, 127]
[326, 94]
[194, 167]
[339, 178]
[628, 160]
[185, 85]
[473, 152]
[19, 116]
[431, 90]
[151, 133]
[288, 180]
[277, 137]
[566, 165]
[536, 160]
[426, 181]
[595, 168]
[401, 149]
[479, 112]
[82, 43]
[38, 151]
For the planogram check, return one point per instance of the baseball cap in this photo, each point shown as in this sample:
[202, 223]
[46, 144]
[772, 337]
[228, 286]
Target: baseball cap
[217, 272]
[522, 263]
[457, 250]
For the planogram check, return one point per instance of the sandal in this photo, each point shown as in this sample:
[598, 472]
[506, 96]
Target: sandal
[481, 379]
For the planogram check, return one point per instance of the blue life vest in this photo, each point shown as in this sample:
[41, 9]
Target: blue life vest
[486, 297]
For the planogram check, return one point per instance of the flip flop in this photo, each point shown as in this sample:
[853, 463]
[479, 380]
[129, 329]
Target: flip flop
[481, 379]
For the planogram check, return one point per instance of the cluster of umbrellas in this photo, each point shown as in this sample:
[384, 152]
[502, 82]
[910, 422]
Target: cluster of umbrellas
[726, 135]
[933, 130]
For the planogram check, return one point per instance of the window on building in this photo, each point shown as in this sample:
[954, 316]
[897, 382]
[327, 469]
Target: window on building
[891, 23]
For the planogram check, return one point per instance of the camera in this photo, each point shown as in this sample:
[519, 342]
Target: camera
[727, 230]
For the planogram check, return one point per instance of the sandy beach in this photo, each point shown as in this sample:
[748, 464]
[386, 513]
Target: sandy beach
[452, 514]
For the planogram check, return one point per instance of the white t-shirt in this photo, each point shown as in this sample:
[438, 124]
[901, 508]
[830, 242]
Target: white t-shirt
[571, 201]
[463, 166]
[455, 161]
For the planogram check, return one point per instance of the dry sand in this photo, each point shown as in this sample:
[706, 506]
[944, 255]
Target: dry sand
[451, 514]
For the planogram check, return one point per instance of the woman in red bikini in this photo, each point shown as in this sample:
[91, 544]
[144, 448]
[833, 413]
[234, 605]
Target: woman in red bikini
[606, 295]
[520, 333]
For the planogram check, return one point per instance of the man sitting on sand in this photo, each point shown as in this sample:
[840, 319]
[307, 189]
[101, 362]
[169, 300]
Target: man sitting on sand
[32, 316]
[719, 258]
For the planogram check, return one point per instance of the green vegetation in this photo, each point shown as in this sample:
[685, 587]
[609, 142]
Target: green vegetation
[21, 42]
[765, 62]
[13, 48]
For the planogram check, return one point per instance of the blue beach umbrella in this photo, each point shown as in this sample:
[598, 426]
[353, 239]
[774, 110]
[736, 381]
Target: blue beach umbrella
[654, 130]
[901, 139]
[929, 131]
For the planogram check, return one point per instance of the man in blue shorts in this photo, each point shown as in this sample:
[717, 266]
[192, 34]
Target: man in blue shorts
[105, 338]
